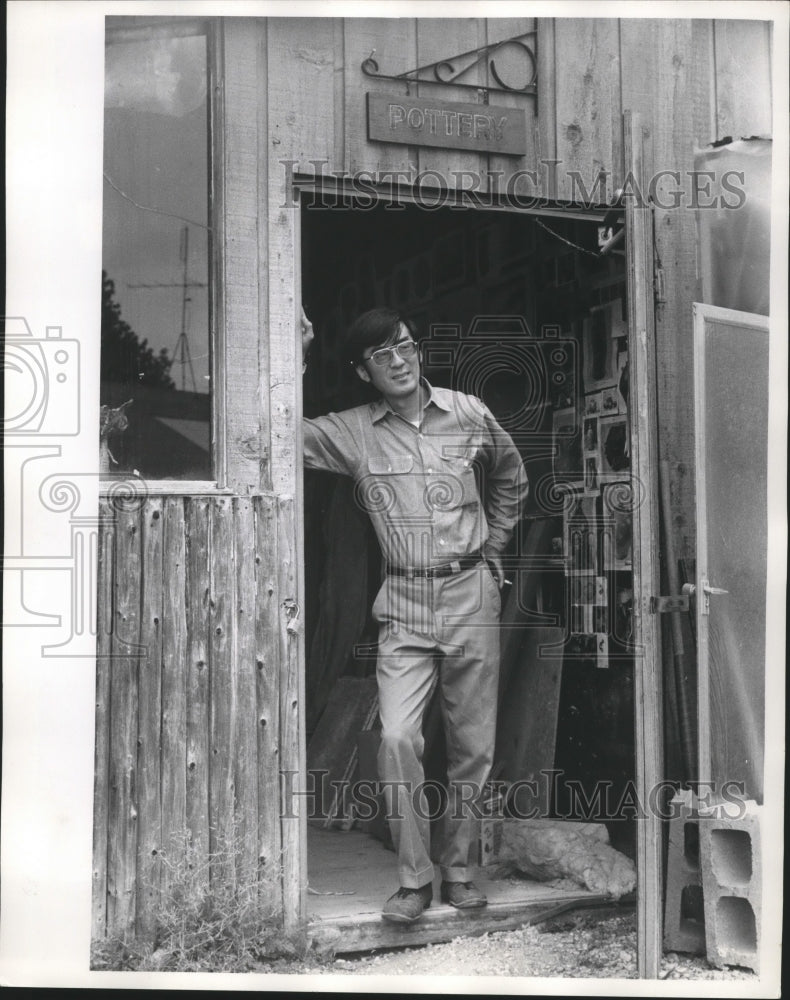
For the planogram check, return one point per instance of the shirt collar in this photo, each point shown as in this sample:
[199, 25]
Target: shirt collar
[436, 396]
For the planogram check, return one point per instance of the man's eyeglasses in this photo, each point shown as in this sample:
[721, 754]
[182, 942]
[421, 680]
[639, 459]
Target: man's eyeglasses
[384, 355]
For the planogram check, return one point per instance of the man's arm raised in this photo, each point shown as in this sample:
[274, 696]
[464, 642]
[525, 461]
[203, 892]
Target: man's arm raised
[329, 446]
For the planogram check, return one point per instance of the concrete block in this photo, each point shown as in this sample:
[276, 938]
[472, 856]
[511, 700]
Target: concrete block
[684, 917]
[731, 864]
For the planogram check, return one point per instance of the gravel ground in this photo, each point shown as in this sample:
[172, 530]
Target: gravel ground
[579, 945]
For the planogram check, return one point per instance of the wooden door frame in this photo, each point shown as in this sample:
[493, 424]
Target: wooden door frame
[642, 421]
[642, 416]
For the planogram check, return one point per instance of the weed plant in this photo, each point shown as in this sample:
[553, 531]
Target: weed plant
[213, 913]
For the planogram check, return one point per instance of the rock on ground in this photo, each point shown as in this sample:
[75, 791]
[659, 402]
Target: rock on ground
[549, 849]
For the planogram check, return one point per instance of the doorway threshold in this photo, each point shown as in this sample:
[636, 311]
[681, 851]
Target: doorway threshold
[351, 875]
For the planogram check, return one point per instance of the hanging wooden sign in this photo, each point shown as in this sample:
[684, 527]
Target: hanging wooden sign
[483, 128]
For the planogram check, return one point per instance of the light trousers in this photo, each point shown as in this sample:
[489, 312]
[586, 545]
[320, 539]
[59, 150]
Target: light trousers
[448, 626]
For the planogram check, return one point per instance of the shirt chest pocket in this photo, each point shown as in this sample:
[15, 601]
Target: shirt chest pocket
[386, 483]
[396, 465]
[453, 484]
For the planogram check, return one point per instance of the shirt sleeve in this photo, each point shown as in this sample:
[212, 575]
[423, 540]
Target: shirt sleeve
[505, 484]
[329, 445]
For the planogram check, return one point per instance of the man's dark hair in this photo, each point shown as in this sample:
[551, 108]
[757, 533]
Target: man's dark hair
[375, 328]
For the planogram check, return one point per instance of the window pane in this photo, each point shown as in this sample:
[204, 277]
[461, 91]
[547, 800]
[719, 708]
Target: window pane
[155, 265]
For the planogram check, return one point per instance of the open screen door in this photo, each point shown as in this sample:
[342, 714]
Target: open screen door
[644, 466]
[731, 435]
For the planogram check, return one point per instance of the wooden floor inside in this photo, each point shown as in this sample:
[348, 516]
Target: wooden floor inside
[351, 874]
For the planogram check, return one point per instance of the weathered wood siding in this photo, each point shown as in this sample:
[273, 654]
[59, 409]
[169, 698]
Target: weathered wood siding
[189, 726]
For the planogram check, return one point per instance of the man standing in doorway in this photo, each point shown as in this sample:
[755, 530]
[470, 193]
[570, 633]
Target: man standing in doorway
[444, 486]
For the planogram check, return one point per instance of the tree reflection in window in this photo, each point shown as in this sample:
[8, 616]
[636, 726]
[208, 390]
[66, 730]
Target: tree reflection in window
[155, 262]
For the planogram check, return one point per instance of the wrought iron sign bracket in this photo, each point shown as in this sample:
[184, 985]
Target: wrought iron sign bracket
[447, 72]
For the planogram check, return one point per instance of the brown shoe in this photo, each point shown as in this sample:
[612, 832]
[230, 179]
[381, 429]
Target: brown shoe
[406, 905]
[463, 895]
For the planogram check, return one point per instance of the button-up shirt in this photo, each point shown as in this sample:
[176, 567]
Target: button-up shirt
[435, 492]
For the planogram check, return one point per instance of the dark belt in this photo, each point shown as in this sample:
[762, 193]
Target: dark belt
[447, 569]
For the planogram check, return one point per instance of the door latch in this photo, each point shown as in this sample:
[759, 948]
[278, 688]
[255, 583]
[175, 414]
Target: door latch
[707, 590]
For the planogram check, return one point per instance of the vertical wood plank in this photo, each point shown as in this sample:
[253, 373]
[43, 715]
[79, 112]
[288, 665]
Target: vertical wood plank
[338, 154]
[680, 400]
[285, 389]
[498, 29]
[640, 51]
[284, 347]
[647, 636]
[241, 262]
[217, 242]
[546, 142]
[395, 44]
[703, 76]
[301, 101]
[222, 702]
[243, 680]
[588, 105]
[101, 772]
[743, 78]
[680, 71]
[174, 674]
[294, 827]
[196, 522]
[267, 163]
[123, 801]
[443, 38]
[284, 350]
[285, 392]
[267, 696]
[149, 821]
[617, 163]
[299, 126]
